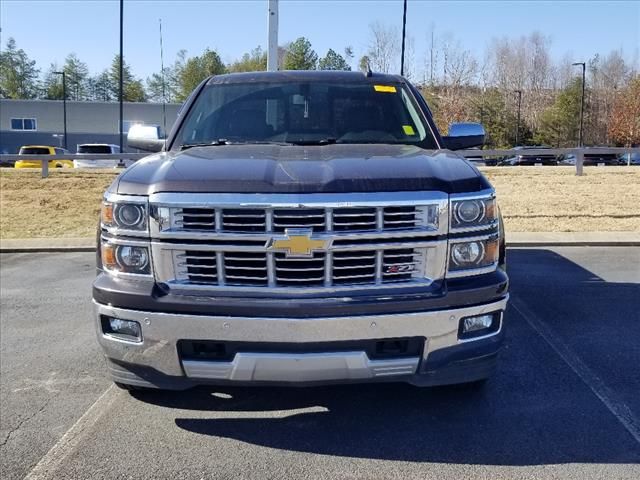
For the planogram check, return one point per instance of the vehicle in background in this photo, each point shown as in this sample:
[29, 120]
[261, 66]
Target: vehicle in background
[524, 158]
[97, 148]
[593, 159]
[34, 151]
[631, 158]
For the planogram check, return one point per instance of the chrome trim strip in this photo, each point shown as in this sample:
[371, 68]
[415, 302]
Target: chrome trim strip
[295, 200]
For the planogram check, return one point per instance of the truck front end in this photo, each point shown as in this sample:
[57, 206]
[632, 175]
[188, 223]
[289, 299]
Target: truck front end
[295, 263]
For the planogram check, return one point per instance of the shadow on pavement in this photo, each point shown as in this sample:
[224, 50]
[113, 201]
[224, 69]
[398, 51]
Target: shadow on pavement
[535, 411]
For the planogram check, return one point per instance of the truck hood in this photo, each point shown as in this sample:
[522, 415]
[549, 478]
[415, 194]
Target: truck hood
[301, 169]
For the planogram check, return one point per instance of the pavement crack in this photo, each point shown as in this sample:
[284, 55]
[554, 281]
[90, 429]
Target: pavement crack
[26, 419]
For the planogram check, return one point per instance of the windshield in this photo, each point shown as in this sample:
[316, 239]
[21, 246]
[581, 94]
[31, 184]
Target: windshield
[94, 149]
[304, 113]
[34, 151]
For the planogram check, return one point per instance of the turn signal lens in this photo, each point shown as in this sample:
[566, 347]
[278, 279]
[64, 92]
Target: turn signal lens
[107, 213]
[108, 255]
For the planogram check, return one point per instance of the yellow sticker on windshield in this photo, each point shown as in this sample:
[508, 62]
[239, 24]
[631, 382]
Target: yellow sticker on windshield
[408, 130]
[385, 88]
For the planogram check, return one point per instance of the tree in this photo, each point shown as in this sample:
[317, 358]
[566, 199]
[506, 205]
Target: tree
[559, 124]
[77, 74]
[101, 88]
[52, 83]
[624, 122]
[196, 69]
[254, 61]
[169, 92]
[364, 64]
[333, 61]
[133, 91]
[300, 56]
[383, 49]
[18, 74]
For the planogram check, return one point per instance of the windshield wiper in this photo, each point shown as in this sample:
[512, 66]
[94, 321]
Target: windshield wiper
[223, 141]
[323, 141]
[215, 143]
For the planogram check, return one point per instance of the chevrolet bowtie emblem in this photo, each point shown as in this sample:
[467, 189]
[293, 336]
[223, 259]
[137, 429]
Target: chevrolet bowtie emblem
[298, 244]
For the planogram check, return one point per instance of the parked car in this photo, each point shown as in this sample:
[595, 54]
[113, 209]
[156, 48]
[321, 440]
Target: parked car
[300, 228]
[34, 151]
[592, 159]
[524, 158]
[631, 158]
[94, 148]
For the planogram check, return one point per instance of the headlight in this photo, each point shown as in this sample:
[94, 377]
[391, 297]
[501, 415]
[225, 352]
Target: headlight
[122, 258]
[473, 213]
[466, 256]
[124, 216]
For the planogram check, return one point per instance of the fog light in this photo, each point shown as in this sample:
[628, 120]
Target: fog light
[473, 324]
[479, 325]
[125, 329]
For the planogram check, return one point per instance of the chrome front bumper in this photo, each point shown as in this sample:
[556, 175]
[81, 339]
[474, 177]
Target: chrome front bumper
[158, 352]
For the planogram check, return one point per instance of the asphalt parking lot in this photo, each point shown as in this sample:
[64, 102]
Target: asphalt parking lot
[565, 402]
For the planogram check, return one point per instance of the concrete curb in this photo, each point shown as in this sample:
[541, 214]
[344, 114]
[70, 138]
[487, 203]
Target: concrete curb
[514, 239]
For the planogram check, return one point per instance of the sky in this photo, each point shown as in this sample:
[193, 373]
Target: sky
[49, 29]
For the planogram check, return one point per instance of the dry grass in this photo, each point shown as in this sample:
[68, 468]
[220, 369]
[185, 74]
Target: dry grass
[66, 204]
[554, 199]
[533, 199]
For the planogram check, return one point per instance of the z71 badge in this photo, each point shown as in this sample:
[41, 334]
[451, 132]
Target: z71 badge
[401, 268]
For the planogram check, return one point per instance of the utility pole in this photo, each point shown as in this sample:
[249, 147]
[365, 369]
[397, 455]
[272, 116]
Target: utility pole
[584, 67]
[519, 92]
[272, 50]
[64, 104]
[121, 87]
[404, 31]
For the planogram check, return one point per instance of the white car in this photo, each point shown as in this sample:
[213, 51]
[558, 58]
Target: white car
[93, 148]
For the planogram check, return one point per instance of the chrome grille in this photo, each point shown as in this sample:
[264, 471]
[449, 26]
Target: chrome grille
[243, 220]
[209, 242]
[310, 218]
[319, 220]
[351, 267]
[195, 219]
[299, 272]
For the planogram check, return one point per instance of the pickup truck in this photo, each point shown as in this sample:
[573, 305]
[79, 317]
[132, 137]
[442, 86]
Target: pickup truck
[300, 228]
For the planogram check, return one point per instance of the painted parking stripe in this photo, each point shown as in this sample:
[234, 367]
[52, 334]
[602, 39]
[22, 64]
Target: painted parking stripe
[615, 405]
[51, 462]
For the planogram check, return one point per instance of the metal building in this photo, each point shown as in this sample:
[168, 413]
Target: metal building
[40, 122]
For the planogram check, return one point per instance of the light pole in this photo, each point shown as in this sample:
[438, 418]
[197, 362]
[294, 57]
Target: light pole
[519, 92]
[121, 87]
[64, 103]
[404, 30]
[582, 64]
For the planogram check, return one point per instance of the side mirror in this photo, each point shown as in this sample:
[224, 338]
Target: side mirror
[145, 137]
[464, 135]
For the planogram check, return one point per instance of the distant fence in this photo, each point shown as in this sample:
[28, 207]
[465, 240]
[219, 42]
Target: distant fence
[529, 152]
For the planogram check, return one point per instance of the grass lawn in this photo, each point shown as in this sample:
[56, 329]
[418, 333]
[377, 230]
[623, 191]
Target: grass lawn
[532, 199]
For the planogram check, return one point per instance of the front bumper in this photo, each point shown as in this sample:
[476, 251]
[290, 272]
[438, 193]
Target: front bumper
[156, 362]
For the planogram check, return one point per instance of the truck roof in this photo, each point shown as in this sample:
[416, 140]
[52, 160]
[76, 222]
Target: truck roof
[296, 76]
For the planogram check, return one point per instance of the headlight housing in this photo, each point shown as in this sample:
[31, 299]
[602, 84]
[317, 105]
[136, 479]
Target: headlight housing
[469, 214]
[126, 258]
[125, 217]
[473, 256]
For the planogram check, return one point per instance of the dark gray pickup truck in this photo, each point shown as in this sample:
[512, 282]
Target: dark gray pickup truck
[299, 228]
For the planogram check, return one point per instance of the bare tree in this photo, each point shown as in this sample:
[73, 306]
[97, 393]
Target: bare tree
[383, 51]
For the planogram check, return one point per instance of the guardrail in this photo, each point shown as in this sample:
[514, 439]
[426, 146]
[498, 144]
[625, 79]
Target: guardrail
[578, 152]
